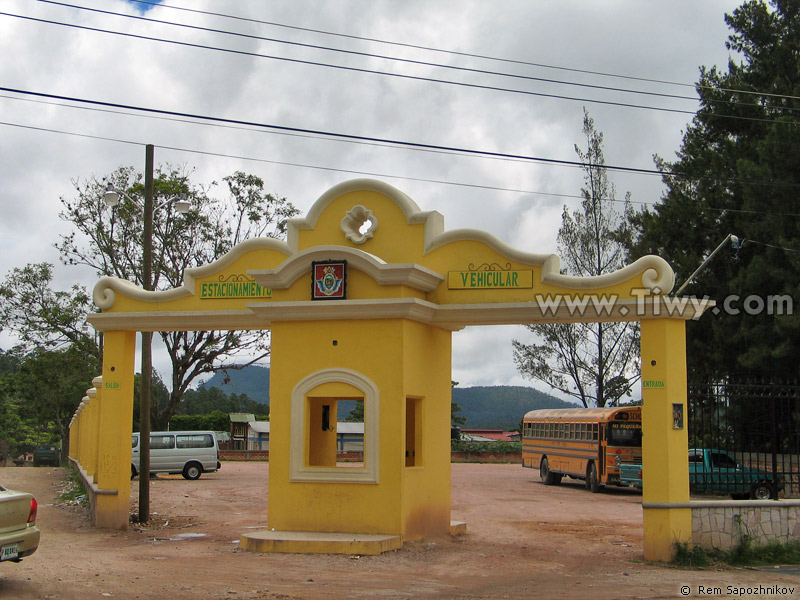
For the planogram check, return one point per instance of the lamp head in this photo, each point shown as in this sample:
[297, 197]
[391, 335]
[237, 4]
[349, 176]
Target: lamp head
[182, 205]
[111, 196]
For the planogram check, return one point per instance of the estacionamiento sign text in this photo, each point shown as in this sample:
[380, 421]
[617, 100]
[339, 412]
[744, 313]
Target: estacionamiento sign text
[233, 289]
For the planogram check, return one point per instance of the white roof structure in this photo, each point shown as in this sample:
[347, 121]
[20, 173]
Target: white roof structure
[348, 427]
[259, 426]
[341, 427]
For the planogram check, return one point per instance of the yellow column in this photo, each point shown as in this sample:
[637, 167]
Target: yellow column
[94, 433]
[74, 435]
[116, 424]
[84, 435]
[94, 393]
[665, 448]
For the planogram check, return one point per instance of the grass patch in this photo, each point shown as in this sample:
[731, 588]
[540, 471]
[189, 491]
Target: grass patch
[688, 556]
[73, 491]
[745, 554]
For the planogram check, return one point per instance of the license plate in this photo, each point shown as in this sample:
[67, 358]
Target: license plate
[9, 552]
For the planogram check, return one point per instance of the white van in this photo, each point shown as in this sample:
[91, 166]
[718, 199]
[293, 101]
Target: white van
[189, 453]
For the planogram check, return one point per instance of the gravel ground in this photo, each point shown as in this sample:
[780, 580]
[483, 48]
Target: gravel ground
[524, 540]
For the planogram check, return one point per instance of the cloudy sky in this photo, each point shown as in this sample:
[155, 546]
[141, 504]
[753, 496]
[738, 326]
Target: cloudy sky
[581, 48]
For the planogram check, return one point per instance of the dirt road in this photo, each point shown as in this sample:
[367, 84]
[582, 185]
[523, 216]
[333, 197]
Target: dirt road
[524, 540]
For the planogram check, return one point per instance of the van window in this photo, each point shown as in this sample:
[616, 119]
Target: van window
[134, 441]
[162, 442]
[195, 441]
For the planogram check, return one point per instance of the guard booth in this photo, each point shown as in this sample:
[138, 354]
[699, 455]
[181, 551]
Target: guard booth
[361, 301]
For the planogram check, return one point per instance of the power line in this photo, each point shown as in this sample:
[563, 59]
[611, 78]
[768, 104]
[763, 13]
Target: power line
[458, 53]
[399, 143]
[407, 144]
[300, 165]
[372, 55]
[390, 74]
[366, 173]
[353, 69]
[771, 245]
[254, 130]
[412, 61]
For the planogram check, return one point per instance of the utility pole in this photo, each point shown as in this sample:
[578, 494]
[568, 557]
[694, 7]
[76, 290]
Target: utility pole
[147, 339]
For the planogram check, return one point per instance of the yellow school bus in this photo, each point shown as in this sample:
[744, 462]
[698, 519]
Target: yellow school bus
[582, 443]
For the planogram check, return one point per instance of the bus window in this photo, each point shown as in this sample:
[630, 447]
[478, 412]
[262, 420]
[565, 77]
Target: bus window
[625, 434]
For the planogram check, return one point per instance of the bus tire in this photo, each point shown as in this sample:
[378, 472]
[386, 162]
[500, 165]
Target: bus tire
[592, 482]
[546, 475]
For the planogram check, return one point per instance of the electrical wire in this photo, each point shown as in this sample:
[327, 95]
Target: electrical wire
[351, 69]
[365, 173]
[152, 3]
[770, 245]
[398, 75]
[300, 165]
[400, 143]
[379, 56]
[782, 109]
[251, 129]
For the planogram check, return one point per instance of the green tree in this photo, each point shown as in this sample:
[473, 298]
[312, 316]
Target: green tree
[596, 363]
[45, 377]
[455, 419]
[42, 318]
[215, 421]
[159, 396]
[738, 171]
[356, 415]
[17, 431]
[50, 385]
[110, 242]
[203, 401]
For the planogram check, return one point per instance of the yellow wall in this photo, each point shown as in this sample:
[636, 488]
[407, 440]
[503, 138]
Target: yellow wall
[412, 501]
[373, 349]
[427, 377]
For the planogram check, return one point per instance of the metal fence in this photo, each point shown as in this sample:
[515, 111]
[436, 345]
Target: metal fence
[756, 423]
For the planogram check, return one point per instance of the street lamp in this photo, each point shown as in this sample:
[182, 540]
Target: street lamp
[111, 198]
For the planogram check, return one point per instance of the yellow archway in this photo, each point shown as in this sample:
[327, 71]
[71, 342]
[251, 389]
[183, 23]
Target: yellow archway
[361, 300]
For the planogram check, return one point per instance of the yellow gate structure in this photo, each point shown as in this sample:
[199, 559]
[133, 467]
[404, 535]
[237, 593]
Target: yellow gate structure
[361, 301]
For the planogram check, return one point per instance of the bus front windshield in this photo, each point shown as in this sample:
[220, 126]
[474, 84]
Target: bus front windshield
[625, 434]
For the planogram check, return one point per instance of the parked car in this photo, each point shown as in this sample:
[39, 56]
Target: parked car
[47, 455]
[19, 536]
[716, 471]
[190, 453]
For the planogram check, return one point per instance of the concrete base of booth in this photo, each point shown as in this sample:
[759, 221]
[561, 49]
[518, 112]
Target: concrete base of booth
[314, 542]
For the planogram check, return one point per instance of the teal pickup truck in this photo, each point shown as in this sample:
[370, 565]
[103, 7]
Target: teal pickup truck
[716, 471]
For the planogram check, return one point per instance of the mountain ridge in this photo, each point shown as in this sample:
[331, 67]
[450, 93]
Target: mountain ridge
[483, 407]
